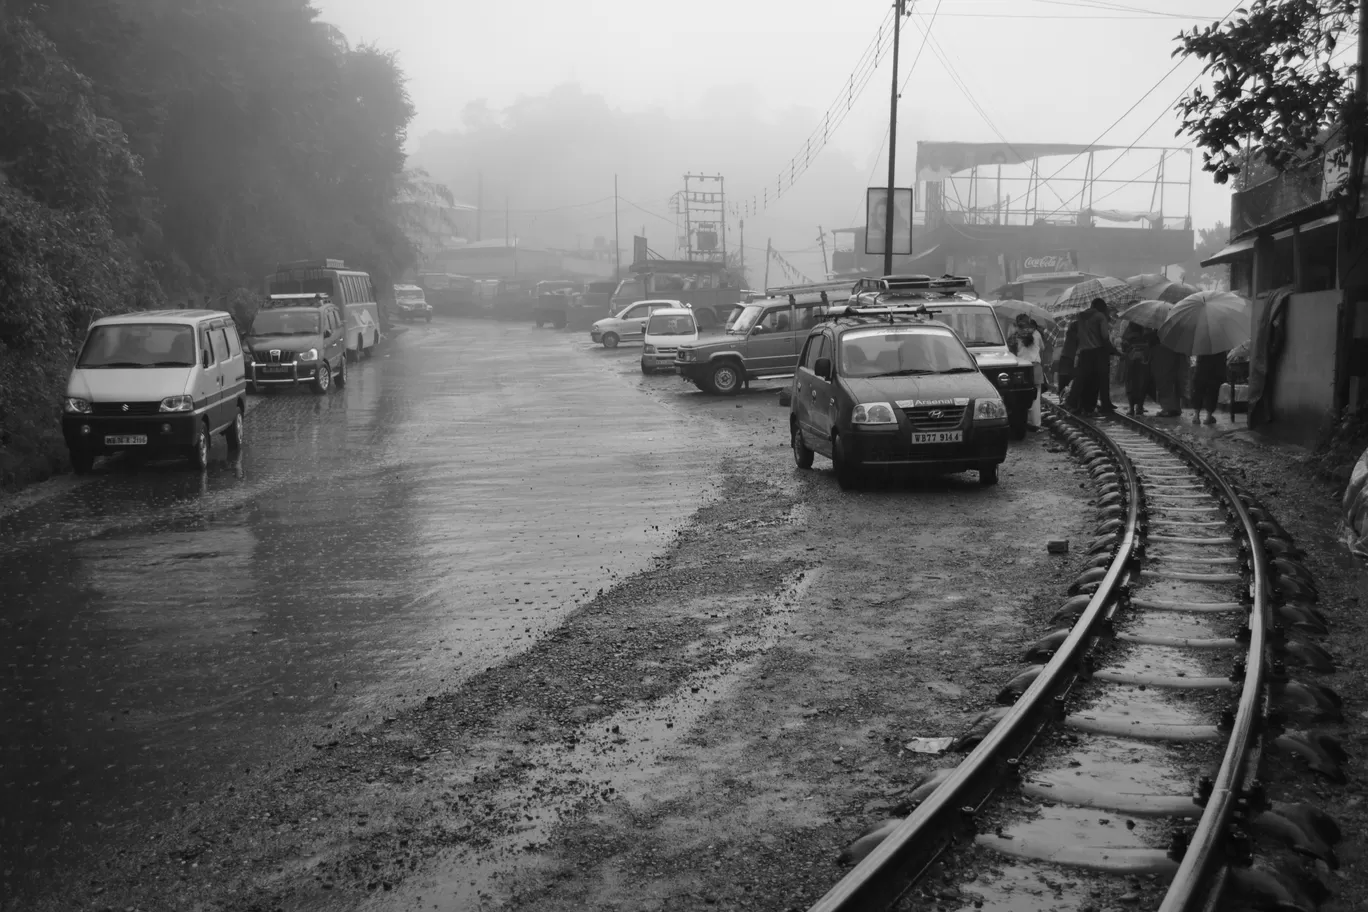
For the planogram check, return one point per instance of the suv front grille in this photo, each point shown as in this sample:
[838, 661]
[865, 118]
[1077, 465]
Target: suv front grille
[125, 408]
[274, 355]
[935, 417]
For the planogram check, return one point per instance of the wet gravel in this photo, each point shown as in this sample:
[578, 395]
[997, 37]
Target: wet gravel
[707, 733]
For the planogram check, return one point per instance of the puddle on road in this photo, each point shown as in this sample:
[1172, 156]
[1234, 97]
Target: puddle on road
[616, 762]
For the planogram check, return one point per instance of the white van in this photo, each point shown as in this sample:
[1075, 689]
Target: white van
[160, 382]
[666, 330]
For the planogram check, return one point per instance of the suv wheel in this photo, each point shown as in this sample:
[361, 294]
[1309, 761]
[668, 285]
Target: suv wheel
[1016, 420]
[847, 472]
[610, 340]
[236, 434]
[988, 474]
[82, 461]
[802, 456]
[199, 449]
[725, 379]
[322, 381]
[341, 373]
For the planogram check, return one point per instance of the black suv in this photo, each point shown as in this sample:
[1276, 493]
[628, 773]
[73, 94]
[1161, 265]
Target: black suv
[763, 341]
[294, 339]
[890, 387]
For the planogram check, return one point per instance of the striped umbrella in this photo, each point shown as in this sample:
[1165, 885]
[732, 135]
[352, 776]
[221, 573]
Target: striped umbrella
[1007, 312]
[1151, 314]
[1080, 297]
[1206, 323]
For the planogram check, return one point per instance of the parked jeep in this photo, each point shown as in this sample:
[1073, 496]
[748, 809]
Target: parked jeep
[762, 339]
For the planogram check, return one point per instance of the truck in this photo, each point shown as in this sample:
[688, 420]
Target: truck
[554, 299]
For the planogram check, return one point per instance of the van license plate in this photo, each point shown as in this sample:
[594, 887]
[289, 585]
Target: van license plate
[268, 369]
[126, 440]
[938, 437]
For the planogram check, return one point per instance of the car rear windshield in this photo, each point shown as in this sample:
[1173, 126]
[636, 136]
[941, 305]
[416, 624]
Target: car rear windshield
[139, 345]
[410, 295]
[284, 323]
[671, 325]
[882, 353]
[975, 325]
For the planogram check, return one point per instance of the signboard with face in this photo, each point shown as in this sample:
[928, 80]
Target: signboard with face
[876, 211]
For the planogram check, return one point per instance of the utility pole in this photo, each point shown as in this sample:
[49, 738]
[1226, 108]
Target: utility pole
[769, 250]
[744, 281]
[892, 143]
[617, 241]
[821, 239]
[479, 202]
[507, 220]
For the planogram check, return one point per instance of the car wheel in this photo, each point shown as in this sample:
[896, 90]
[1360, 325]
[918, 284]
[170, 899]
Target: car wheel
[428, 318]
[847, 472]
[199, 450]
[802, 456]
[645, 369]
[725, 379]
[610, 340]
[322, 381]
[353, 354]
[988, 474]
[1016, 420]
[236, 434]
[82, 461]
[341, 373]
[539, 323]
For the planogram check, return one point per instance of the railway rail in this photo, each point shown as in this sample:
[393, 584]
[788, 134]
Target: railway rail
[1124, 763]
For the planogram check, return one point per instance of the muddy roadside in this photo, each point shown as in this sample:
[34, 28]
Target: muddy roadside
[710, 732]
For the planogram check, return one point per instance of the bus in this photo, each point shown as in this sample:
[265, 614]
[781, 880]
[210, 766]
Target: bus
[351, 289]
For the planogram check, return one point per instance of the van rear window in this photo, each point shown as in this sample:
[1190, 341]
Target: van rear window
[139, 345]
[671, 325]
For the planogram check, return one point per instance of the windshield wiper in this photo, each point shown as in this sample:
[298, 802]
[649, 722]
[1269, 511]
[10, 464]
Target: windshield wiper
[170, 364]
[906, 372]
[961, 370]
[120, 364]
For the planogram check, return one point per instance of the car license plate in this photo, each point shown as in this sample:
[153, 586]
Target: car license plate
[938, 437]
[125, 440]
[273, 370]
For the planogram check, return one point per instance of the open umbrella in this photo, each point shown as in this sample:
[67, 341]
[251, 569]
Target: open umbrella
[1151, 314]
[1080, 297]
[1152, 286]
[1206, 323]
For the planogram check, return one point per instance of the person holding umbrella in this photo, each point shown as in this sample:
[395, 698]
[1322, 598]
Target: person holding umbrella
[1167, 368]
[1207, 324]
[1136, 344]
[1066, 372]
[1094, 359]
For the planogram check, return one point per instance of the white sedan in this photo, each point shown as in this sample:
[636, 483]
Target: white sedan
[629, 324]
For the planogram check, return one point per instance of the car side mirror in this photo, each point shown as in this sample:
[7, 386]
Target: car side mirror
[327, 333]
[204, 358]
[823, 368]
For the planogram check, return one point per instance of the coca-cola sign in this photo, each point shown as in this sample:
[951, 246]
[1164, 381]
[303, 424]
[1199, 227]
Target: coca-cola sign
[1054, 262]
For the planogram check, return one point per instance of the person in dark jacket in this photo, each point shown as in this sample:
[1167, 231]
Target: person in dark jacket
[1206, 385]
[1136, 345]
[1093, 364]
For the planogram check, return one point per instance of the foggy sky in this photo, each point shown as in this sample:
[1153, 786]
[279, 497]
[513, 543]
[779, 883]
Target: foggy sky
[1042, 70]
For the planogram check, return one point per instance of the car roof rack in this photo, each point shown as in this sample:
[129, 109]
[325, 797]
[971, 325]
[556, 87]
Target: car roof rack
[308, 299]
[891, 313]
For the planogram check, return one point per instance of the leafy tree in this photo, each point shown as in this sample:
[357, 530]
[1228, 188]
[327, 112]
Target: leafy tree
[1278, 83]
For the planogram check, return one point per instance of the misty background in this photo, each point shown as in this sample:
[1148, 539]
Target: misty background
[535, 106]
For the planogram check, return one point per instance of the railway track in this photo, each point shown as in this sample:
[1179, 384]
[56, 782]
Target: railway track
[1122, 769]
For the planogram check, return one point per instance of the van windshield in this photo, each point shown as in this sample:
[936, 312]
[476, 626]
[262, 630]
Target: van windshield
[139, 345]
[284, 323]
[977, 326]
[671, 325]
[885, 353]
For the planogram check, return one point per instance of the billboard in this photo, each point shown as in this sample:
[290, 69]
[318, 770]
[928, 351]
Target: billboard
[876, 220]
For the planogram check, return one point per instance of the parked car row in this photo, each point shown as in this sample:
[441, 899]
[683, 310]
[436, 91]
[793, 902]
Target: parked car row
[903, 370]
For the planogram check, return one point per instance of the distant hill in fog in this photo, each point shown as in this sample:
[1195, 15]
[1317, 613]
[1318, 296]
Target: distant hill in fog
[553, 158]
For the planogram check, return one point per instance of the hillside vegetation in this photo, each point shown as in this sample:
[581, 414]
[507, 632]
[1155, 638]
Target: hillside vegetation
[164, 152]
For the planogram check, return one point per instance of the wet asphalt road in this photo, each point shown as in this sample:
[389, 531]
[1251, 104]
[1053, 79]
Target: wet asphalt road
[165, 632]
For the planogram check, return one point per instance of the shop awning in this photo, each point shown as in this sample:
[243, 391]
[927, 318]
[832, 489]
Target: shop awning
[1230, 252]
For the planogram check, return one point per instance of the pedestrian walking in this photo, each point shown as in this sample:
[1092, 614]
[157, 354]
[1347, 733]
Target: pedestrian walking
[1206, 385]
[1030, 347]
[1093, 364]
[1169, 369]
[1137, 343]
